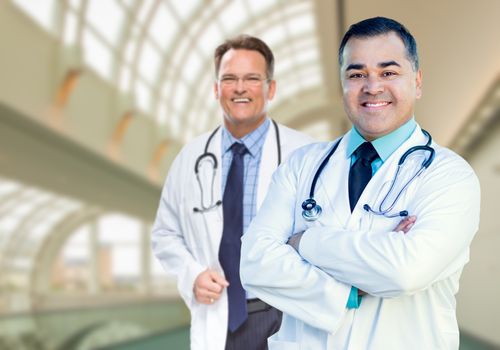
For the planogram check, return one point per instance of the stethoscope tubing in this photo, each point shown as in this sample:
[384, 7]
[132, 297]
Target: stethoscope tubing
[311, 210]
[209, 155]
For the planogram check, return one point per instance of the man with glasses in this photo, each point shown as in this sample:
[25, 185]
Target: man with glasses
[200, 244]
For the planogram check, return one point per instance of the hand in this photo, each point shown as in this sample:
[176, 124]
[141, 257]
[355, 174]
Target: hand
[294, 240]
[208, 286]
[406, 224]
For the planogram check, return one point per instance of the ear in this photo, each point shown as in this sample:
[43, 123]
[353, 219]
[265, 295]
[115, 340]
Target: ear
[271, 90]
[418, 84]
[216, 90]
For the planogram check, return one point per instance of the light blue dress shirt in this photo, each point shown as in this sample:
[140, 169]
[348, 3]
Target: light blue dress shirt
[251, 161]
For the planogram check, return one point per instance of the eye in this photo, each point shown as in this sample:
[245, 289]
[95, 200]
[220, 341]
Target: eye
[228, 79]
[389, 74]
[356, 76]
[253, 79]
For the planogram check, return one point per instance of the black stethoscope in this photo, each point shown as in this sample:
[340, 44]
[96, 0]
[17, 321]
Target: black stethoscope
[311, 211]
[209, 156]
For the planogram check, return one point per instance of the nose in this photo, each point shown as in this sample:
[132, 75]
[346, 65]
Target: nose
[240, 86]
[373, 86]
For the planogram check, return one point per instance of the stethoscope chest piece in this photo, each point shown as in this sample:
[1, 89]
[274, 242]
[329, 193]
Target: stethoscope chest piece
[311, 211]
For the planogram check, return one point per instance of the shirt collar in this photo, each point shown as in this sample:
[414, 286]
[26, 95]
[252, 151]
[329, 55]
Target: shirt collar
[252, 141]
[386, 144]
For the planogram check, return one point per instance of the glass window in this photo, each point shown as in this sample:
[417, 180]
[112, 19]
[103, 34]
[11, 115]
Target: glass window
[70, 30]
[143, 94]
[163, 27]
[144, 10]
[191, 69]
[125, 79]
[149, 62]
[99, 14]
[184, 8]
[42, 11]
[210, 38]
[233, 16]
[97, 55]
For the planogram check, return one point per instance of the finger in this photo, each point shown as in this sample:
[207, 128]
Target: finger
[207, 292]
[219, 279]
[405, 222]
[207, 282]
[408, 227]
[209, 295]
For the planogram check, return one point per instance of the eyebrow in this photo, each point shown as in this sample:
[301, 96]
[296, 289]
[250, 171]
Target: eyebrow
[359, 66]
[388, 64]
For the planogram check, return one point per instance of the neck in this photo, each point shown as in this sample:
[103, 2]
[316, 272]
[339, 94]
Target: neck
[239, 130]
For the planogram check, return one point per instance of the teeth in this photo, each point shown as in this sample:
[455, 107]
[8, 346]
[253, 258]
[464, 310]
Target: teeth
[376, 104]
[238, 100]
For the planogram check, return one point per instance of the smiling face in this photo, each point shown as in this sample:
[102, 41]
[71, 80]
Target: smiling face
[379, 84]
[244, 100]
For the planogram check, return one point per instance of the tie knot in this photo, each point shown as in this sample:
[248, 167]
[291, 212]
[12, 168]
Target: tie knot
[366, 152]
[238, 149]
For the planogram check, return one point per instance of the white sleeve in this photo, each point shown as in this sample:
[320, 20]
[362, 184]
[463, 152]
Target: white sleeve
[168, 242]
[388, 264]
[273, 270]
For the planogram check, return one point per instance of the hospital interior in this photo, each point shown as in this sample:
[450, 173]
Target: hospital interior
[98, 96]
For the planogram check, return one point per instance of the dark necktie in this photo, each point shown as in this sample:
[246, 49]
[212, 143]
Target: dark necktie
[230, 245]
[361, 171]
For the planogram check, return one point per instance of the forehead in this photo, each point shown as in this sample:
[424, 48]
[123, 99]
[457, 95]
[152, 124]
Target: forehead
[375, 49]
[242, 61]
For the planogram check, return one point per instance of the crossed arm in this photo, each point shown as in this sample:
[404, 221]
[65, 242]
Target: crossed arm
[403, 226]
[389, 264]
[313, 285]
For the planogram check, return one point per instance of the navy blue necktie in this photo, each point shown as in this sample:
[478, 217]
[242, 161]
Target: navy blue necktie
[361, 171]
[230, 245]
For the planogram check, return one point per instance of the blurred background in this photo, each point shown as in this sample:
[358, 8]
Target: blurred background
[98, 96]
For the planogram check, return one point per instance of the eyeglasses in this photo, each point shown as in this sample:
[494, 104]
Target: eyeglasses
[248, 80]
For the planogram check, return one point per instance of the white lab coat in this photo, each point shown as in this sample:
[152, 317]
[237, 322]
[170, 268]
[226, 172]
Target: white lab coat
[411, 278]
[187, 243]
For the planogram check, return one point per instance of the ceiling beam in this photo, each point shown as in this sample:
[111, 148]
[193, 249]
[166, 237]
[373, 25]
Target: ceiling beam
[35, 155]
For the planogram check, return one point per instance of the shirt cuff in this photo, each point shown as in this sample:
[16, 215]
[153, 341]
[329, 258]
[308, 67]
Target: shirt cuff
[354, 299]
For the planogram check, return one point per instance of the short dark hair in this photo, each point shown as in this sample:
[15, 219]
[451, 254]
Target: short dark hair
[378, 26]
[245, 42]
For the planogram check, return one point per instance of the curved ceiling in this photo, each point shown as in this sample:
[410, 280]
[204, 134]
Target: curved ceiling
[160, 53]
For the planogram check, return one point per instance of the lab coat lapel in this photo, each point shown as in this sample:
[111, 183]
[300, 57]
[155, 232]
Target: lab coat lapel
[213, 218]
[332, 193]
[268, 164]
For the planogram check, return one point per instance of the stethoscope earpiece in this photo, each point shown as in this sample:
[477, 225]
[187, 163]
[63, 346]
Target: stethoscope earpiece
[402, 213]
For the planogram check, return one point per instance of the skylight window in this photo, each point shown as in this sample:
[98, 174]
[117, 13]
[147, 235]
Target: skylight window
[191, 67]
[99, 14]
[149, 62]
[233, 16]
[143, 94]
[211, 37]
[42, 11]
[97, 55]
[144, 10]
[163, 27]
[301, 24]
[184, 8]
[70, 30]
